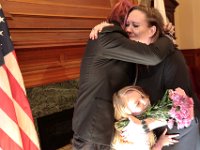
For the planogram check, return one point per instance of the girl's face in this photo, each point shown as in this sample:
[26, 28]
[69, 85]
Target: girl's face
[136, 103]
[137, 27]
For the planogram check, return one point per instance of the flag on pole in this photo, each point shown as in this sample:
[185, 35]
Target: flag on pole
[160, 5]
[17, 130]
[144, 2]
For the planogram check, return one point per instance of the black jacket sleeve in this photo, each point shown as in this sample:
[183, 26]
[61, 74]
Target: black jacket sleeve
[117, 46]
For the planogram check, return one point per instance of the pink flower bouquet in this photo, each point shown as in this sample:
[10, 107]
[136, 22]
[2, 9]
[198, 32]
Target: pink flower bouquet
[175, 107]
[181, 112]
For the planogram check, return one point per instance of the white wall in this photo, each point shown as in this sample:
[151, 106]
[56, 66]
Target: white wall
[187, 21]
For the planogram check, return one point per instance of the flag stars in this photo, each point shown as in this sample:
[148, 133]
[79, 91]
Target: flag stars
[1, 19]
[1, 33]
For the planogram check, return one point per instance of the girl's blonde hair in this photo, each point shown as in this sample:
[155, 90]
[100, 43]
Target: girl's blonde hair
[120, 101]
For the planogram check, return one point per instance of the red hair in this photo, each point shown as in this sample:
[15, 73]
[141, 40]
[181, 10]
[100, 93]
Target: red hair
[119, 11]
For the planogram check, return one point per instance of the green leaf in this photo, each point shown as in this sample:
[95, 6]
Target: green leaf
[119, 125]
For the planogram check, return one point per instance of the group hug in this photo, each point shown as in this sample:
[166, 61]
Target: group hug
[135, 90]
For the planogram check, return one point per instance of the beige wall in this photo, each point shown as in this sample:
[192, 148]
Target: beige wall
[187, 21]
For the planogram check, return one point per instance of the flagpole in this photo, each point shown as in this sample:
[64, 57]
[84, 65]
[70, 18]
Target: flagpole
[160, 5]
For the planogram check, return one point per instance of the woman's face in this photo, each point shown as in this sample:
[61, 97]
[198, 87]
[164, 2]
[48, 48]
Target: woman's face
[137, 104]
[137, 27]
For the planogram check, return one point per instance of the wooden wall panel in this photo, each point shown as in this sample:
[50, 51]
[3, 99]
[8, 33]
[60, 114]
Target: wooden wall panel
[81, 3]
[33, 22]
[192, 57]
[50, 36]
[42, 66]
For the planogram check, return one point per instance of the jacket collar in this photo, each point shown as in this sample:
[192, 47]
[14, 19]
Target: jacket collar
[115, 28]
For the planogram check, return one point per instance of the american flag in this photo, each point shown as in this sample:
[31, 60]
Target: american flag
[160, 5]
[17, 130]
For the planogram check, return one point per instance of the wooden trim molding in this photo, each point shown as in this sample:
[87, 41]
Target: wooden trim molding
[192, 57]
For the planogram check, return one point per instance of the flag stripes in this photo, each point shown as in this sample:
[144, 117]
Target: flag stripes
[17, 130]
[8, 142]
[10, 131]
[13, 67]
[8, 120]
[160, 5]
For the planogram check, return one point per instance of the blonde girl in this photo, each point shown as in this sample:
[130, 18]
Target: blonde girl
[129, 102]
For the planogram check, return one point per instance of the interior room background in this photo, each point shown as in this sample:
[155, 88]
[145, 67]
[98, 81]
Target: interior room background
[49, 38]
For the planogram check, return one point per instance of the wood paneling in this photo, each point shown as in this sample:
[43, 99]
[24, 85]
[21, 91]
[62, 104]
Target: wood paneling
[42, 66]
[50, 36]
[192, 57]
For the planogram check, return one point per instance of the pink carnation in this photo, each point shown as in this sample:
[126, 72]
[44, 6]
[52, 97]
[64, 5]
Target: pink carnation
[182, 109]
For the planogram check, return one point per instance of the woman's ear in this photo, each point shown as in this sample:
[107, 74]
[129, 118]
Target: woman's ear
[152, 31]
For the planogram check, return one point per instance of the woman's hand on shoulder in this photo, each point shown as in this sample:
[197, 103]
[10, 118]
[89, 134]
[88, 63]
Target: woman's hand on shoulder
[98, 28]
[169, 28]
